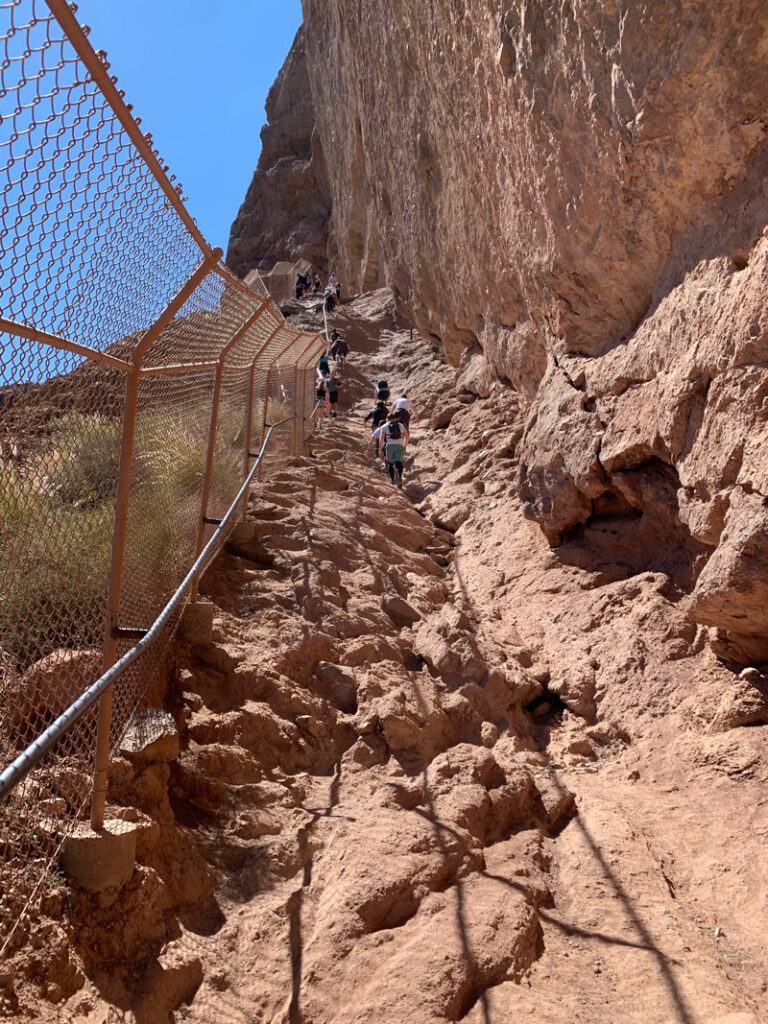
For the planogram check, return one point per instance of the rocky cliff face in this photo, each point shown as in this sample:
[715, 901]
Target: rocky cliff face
[285, 213]
[574, 193]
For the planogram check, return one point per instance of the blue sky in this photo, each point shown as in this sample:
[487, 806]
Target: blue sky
[198, 73]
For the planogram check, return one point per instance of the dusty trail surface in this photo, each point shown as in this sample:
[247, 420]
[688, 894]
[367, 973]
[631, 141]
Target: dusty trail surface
[431, 770]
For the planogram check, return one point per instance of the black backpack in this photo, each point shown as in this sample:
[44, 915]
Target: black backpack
[394, 431]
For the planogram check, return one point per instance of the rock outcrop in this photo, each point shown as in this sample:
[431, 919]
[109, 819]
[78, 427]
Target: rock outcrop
[573, 196]
[285, 213]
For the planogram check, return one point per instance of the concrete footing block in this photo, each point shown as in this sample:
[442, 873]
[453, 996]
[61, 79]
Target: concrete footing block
[104, 858]
[196, 625]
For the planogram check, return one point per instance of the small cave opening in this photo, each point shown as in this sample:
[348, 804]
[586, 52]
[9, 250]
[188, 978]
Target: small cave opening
[740, 261]
[547, 708]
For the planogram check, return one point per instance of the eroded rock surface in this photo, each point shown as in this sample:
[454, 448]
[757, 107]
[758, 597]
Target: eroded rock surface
[285, 213]
[586, 222]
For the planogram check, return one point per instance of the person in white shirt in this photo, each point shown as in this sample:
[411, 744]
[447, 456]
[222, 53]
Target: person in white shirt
[406, 410]
[394, 439]
[375, 444]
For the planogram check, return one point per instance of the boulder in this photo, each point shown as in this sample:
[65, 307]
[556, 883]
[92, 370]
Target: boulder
[151, 738]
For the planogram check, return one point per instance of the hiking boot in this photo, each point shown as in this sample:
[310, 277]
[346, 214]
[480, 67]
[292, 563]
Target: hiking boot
[399, 483]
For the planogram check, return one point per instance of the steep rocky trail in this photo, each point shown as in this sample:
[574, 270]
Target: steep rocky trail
[415, 784]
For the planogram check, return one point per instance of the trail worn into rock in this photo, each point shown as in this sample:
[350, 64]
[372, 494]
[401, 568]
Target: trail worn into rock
[429, 771]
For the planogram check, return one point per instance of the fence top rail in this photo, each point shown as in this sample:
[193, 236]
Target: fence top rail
[62, 344]
[99, 71]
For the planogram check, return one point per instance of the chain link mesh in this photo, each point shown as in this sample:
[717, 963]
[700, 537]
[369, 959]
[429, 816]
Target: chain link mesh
[93, 257]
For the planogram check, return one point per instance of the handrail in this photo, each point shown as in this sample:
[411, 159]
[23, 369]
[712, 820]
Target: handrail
[325, 321]
[34, 753]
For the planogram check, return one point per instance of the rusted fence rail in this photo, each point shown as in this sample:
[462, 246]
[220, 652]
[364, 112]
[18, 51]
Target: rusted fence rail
[138, 379]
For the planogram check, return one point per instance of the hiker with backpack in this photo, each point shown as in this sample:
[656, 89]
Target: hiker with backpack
[393, 439]
[333, 386]
[330, 302]
[406, 410]
[375, 448]
[323, 404]
[342, 351]
[339, 348]
[323, 366]
[377, 415]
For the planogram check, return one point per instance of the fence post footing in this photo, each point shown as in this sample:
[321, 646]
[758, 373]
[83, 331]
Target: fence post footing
[101, 858]
[196, 626]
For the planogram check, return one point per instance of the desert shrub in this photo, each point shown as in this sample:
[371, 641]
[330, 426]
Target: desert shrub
[57, 520]
[83, 460]
[54, 562]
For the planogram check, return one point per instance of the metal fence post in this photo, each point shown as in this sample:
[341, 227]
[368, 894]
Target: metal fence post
[249, 412]
[213, 426]
[277, 359]
[109, 649]
[301, 388]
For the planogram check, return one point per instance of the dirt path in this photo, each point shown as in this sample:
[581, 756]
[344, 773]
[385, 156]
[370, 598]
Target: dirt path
[387, 811]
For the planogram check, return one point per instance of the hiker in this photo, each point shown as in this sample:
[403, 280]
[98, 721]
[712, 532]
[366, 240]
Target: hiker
[323, 366]
[333, 386]
[377, 415]
[376, 444]
[330, 302]
[382, 391]
[342, 351]
[339, 349]
[406, 410]
[322, 404]
[395, 438]
[333, 281]
[317, 284]
[299, 286]
[338, 291]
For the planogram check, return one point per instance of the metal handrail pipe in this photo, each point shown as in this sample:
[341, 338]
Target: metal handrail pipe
[13, 774]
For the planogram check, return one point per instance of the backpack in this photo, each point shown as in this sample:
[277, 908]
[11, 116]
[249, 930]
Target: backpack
[394, 431]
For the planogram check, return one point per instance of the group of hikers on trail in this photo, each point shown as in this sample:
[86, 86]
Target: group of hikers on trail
[309, 284]
[329, 383]
[390, 431]
[390, 425]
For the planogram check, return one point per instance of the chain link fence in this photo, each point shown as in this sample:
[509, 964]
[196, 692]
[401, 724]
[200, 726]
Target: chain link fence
[138, 378]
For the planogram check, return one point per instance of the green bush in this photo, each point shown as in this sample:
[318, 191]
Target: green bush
[57, 520]
[85, 454]
[54, 562]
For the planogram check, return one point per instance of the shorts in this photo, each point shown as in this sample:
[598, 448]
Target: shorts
[395, 452]
[334, 397]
